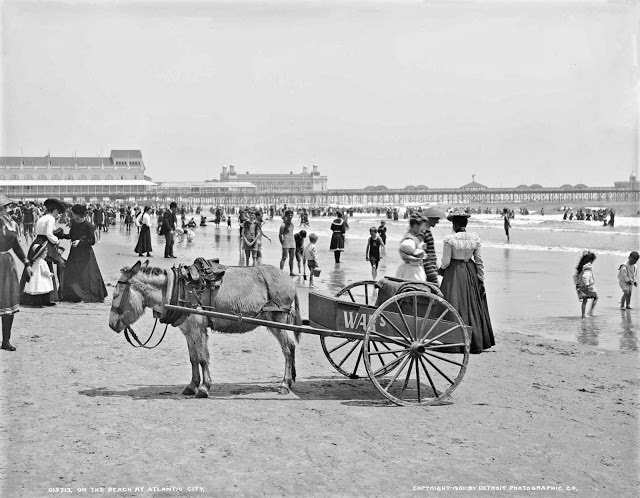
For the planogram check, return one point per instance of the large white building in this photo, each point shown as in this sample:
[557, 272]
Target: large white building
[307, 181]
[121, 175]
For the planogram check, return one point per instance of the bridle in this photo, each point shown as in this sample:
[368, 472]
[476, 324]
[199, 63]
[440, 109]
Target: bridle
[128, 331]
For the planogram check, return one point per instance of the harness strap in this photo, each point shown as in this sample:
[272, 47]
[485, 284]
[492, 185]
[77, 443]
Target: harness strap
[128, 330]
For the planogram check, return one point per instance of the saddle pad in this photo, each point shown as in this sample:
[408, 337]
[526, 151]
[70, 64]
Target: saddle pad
[203, 272]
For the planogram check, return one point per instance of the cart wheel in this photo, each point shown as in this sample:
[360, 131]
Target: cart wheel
[345, 355]
[430, 343]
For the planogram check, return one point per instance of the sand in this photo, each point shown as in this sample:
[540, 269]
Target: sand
[83, 411]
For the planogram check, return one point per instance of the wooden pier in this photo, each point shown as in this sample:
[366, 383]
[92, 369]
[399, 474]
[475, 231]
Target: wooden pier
[396, 197]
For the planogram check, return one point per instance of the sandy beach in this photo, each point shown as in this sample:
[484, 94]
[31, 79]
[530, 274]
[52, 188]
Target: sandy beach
[84, 413]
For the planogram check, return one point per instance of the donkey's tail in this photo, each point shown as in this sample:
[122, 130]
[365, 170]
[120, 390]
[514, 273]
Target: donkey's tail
[297, 319]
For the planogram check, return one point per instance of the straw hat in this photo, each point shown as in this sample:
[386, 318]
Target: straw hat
[37, 249]
[458, 212]
[5, 201]
[434, 212]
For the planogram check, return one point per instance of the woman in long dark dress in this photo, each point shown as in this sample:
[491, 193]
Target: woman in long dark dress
[463, 281]
[83, 280]
[9, 286]
[144, 239]
[338, 229]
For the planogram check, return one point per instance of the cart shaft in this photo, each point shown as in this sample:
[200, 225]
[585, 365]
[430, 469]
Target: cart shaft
[306, 329]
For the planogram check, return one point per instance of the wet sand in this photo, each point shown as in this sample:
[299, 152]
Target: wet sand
[81, 408]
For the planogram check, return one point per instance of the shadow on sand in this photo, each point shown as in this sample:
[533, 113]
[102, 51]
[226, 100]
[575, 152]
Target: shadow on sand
[359, 392]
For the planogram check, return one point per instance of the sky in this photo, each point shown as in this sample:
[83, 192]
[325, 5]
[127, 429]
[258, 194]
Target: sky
[372, 92]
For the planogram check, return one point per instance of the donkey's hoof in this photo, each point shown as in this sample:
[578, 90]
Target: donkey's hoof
[202, 393]
[188, 391]
[283, 390]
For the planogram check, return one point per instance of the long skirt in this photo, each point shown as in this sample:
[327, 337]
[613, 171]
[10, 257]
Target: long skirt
[9, 287]
[461, 287]
[83, 280]
[337, 241]
[144, 240]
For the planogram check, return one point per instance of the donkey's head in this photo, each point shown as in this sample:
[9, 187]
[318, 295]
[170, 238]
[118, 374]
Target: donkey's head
[128, 302]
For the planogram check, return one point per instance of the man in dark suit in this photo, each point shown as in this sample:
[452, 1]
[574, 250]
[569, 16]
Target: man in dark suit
[168, 226]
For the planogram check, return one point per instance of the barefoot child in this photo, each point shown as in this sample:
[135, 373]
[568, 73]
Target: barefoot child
[299, 238]
[627, 278]
[311, 256]
[372, 253]
[585, 283]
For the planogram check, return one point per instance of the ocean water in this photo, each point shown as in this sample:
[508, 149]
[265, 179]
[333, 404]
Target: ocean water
[529, 280]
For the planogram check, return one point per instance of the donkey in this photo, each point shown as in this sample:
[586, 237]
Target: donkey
[245, 291]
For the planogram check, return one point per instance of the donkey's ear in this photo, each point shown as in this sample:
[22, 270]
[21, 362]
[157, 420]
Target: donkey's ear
[135, 268]
[144, 265]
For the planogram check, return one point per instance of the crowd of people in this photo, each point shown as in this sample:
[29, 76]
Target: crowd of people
[606, 216]
[48, 277]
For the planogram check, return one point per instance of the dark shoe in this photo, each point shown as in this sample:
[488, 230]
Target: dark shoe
[8, 347]
[149, 256]
[50, 304]
[174, 257]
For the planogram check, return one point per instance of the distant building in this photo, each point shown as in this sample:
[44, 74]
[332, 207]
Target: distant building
[631, 184]
[473, 186]
[119, 175]
[202, 189]
[307, 181]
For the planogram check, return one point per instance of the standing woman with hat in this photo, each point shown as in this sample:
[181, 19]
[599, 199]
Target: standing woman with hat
[338, 229]
[83, 280]
[9, 287]
[143, 221]
[46, 234]
[463, 280]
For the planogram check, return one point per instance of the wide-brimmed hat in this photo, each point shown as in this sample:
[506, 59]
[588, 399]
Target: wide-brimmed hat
[458, 213]
[418, 216]
[5, 201]
[79, 209]
[52, 204]
[37, 249]
[434, 212]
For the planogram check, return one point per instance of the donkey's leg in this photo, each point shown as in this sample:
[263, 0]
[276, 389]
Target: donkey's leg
[189, 334]
[289, 351]
[202, 348]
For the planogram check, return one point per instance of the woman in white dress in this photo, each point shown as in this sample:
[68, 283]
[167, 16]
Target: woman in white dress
[412, 251]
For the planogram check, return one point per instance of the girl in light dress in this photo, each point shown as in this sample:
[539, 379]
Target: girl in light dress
[585, 282]
[41, 281]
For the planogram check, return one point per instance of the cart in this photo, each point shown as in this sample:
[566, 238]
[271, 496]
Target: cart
[409, 341]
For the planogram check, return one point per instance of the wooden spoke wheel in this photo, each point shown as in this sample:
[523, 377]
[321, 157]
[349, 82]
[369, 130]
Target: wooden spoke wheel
[427, 348]
[345, 355]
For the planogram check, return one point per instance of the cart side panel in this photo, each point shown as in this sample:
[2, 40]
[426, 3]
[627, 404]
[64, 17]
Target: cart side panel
[340, 315]
[322, 311]
[337, 314]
